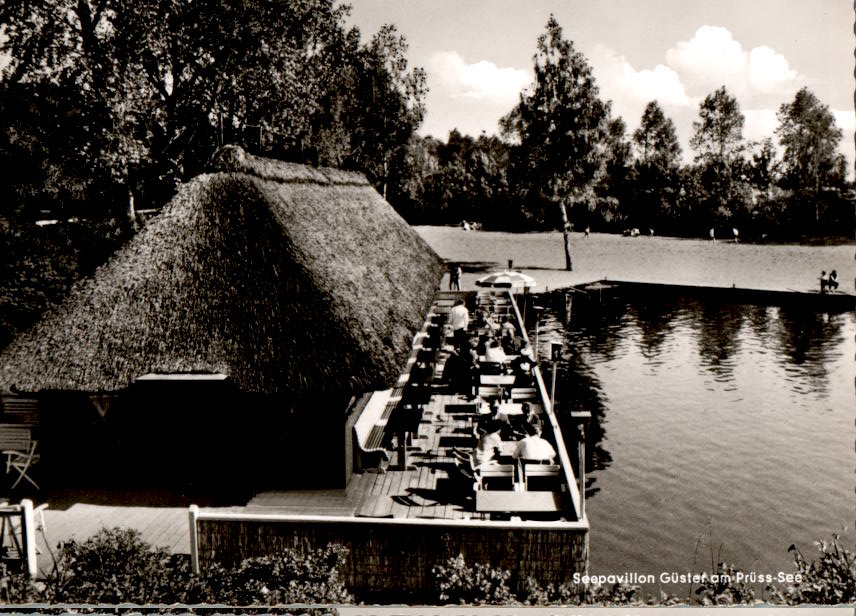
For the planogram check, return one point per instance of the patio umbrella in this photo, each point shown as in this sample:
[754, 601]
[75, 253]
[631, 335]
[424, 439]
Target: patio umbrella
[534, 448]
[506, 280]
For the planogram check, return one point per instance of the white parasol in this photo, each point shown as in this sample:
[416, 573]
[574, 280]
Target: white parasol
[506, 280]
[534, 448]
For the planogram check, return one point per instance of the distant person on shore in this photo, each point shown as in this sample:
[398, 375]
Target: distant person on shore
[833, 280]
[455, 277]
[736, 234]
[824, 281]
[586, 232]
[712, 236]
[459, 317]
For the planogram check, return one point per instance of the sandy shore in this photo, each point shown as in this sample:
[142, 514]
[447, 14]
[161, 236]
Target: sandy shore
[642, 259]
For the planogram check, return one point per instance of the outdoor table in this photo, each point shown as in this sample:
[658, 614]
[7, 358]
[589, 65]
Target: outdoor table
[497, 379]
[506, 410]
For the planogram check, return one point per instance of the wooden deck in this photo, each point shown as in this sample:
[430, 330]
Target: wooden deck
[427, 487]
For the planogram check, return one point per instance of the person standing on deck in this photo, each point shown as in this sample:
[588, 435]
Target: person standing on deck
[455, 277]
[459, 317]
[824, 281]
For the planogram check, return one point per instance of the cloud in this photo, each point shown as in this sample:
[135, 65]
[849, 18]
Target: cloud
[712, 58]
[625, 85]
[481, 80]
[769, 71]
[845, 120]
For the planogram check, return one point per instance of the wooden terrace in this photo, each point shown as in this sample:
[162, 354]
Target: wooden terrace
[423, 480]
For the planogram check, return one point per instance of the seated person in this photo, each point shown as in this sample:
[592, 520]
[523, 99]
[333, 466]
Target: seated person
[523, 364]
[487, 449]
[494, 353]
[833, 280]
[485, 320]
[534, 423]
[510, 342]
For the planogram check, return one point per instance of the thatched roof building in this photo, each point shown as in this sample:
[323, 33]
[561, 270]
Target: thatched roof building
[286, 278]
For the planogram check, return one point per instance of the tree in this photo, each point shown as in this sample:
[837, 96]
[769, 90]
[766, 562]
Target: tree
[559, 126]
[718, 136]
[810, 138]
[164, 82]
[718, 142]
[656, 140]
[657, 161]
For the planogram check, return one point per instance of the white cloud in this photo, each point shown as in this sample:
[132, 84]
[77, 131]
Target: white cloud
[482, 80]
[712, 58]
[769, 71]
[759, 124]
[845, 120]
[625, 85]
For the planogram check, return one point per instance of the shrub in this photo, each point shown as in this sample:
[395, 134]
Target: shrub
[286, 579]
[459, 583]
[723, 588]
[828, 580]
[116, 566]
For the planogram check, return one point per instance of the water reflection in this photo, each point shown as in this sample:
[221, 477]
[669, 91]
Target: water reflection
[731, 343]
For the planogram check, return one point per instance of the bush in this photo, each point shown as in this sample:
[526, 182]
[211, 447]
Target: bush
[828, 580]
[726, 590]
[286, 579]
[459, 583]
[116, 566]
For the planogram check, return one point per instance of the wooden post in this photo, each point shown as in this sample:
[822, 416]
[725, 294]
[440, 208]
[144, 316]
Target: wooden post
[192, 515]
[28, 537]
[581, 418]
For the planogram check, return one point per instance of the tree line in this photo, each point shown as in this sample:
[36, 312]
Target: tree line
[107, 106]
[564, 160]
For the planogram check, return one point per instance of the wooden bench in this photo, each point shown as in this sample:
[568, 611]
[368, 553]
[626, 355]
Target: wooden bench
[509, 501]
[543, 477]
[20, 410]
[524, 393]
[370, 430]
[496, 477]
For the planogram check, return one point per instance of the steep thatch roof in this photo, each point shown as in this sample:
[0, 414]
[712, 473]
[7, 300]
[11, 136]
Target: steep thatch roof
[284, 277]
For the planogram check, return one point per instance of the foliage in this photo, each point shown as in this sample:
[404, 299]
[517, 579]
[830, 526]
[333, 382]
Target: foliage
[457, 582]
[154, 86]
[43, 262]
[724, 587]
[828, 580]
[655, 172]
[285, 579]
[116, 566]
[809, 136]
[718, 134]
[559, 128]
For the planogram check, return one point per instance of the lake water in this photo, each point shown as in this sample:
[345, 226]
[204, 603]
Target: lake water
[720, 432]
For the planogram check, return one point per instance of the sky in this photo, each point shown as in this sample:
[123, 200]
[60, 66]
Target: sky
[478, 55]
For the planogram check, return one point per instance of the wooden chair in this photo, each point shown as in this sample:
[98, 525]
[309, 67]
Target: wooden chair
[21, 451]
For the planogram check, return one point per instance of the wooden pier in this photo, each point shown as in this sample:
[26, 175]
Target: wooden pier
[401, 520]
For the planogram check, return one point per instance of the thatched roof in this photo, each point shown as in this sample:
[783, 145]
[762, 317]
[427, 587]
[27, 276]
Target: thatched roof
[284, 277]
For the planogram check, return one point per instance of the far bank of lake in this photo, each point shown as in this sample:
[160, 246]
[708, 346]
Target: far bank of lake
[647, 259]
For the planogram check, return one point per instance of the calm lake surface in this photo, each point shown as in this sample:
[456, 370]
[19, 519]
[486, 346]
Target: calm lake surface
[720, 431]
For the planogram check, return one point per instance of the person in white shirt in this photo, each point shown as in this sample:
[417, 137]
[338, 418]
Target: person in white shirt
[494, 353]
[459, 317]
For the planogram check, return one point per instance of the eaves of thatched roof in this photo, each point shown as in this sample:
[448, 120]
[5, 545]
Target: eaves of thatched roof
[286, 278]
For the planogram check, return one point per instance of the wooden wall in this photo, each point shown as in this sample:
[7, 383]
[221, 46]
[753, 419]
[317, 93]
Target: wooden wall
[396, 557]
